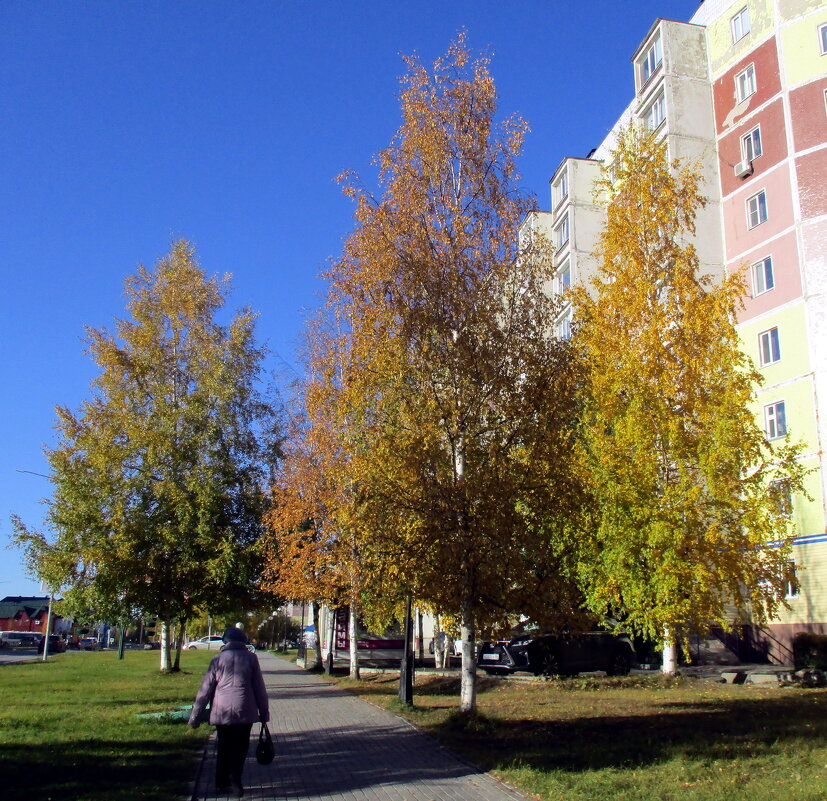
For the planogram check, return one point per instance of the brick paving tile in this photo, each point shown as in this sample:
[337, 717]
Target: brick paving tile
[331, 746]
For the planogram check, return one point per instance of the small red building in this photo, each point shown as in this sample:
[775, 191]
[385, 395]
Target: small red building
[25, 613]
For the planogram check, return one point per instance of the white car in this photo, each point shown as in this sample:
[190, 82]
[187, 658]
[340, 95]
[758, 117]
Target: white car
[214, 642]
[9, 639]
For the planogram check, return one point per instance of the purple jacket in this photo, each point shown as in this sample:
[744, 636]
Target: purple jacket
[235, 685]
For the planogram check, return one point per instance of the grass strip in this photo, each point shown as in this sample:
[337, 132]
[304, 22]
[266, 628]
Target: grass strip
[639, 738]
[68, 728]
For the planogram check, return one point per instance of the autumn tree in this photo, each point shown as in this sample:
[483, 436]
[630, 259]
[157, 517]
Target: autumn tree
[310, 548]
[159, 479]
[687, 520]
[458, 400]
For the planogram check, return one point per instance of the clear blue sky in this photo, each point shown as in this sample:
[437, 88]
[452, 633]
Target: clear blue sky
[125, 125]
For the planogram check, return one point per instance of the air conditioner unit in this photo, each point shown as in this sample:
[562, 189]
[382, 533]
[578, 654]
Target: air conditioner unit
[743, 169]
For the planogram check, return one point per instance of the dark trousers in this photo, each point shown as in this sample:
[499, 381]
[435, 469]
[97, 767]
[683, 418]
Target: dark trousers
[231, 751]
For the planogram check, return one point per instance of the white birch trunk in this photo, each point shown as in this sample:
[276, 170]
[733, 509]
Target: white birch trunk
[670, 654]
[166, 661]
[354, 645]
[468, 680]
[317, 637]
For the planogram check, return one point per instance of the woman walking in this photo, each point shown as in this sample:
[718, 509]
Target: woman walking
[234, 687]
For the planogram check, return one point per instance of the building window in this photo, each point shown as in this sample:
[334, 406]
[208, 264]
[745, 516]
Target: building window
[793, 586]
[751, 144]
[652, 59]
[564, 327]
[561, 233]
[654, 116]
[775, 420]
[745, 83]
[769, 347]
[782, 496]
[561, 189]
[740, 24]
[757, 209]
[763, 279]
[563, 279]
[822, 38]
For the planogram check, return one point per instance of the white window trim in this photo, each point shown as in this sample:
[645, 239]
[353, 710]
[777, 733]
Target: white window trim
[659, 100]
[752, 267]
[771, 361]
[563, 226]
[766, 209]
[822, 38]
[773, 406]
[558, 195]
[794, 586]
[655, 43]
[749, 135]
[754, 83]
[742, 14]
[558, 276]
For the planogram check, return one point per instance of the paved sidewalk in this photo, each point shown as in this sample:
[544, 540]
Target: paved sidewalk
[330, 746]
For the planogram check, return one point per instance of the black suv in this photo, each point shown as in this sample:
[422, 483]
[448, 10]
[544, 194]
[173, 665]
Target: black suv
[559, 654]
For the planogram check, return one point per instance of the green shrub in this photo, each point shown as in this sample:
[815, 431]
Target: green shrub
[810, 650]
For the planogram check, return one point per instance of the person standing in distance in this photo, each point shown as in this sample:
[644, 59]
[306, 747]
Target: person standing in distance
[234, 687]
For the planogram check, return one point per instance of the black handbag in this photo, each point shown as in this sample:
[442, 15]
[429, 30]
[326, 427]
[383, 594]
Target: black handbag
[265, 750]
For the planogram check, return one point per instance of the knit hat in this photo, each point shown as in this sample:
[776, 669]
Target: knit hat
[234, 635]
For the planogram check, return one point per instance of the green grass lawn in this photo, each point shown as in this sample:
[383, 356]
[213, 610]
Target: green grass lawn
[632, 739]
[68, 728]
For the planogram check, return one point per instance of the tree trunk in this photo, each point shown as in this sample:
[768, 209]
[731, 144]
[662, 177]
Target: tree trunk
[406, 666]
[331, 633]
[468, 681]
[352, 637]
[670, 654]
[420, 639]
[317, 638]
[166, 661]
[179, 643]
[437, 644]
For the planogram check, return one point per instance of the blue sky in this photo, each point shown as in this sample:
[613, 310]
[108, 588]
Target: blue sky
[125, 125]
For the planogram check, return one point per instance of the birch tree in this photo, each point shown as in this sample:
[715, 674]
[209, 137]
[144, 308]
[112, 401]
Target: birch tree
[160, 477]
[460, 402]
[687, 523]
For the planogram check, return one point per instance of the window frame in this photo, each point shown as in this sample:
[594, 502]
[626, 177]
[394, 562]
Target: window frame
[751, 83]
[560, 189]
[771, 419]
[658, 103]
[559, 288]
[740, 18]
[752, 136]
[647, 69]
[564, 326]
[773, 349]
[762, 264]
[562, 226]
[793, 584]
[759, 207]
[822, 38]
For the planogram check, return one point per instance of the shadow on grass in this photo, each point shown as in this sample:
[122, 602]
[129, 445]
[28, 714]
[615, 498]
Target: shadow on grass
[739, 729]
[99, 770]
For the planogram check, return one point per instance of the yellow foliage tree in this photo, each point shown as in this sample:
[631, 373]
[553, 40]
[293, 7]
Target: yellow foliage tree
[687, 520]
[457, 405]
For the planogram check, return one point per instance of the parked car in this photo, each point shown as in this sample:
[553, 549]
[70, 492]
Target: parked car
[456, 650]
[29, 639]
[57, 645]
[88, 644]
[9, 639]
[212, 642]
[559, 655]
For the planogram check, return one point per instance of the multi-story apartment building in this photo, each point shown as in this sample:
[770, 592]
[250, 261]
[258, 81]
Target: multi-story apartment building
[741, 89]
